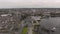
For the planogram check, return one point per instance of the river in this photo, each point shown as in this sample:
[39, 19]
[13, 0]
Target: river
[51, 23]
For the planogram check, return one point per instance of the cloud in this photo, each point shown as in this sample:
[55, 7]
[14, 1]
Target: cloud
[29, 3]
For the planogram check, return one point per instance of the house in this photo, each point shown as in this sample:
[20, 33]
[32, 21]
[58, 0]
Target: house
[35, 17]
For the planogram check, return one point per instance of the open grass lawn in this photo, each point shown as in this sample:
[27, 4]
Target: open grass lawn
[24, 30]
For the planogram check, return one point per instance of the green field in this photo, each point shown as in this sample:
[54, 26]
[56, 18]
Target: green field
[24, 30]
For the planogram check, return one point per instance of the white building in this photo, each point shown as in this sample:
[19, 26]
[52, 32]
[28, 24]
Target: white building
[6, 15]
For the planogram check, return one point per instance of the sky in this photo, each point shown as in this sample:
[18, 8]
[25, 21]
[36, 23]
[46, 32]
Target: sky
[29, 3]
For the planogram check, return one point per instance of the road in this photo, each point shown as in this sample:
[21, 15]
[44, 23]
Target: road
[21, 27]
[52, 23]
[24, 22]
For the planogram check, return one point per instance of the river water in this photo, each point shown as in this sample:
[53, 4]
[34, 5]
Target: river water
[51, 23]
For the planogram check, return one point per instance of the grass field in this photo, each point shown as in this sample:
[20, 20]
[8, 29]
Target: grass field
[24, 30]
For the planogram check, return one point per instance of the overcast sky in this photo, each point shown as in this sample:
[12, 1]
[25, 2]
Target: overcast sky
[29, 3]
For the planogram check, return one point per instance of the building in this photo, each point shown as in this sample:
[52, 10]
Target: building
[35, 24]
